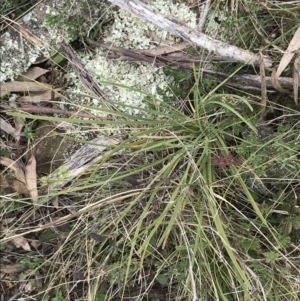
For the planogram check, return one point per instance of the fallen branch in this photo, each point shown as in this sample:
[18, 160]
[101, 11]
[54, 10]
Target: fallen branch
[178, 29]
[185, 62]
[248, 81]
[82, 160]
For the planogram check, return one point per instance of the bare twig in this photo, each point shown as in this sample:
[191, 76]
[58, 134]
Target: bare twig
[45, 110]
[185, 62]
[264, 96]
[203, 15]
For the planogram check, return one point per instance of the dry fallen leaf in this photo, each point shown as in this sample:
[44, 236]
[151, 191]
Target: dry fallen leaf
[163, 47]
[12, 268]
[21, 242]
[28, 287]
[16, 86]
[32, 74]
[276, 84]
[290, 52]
[31, 179]
[6, 127]
[20, 187]
[18, 128]
[15, 167]
[16, 186]
[35, 243]
[3, 182]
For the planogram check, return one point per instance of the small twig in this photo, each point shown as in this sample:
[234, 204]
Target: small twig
[203, 15]
[85, 77]
[296, 75]
[44, 110]
[264, 96]
[185, 62]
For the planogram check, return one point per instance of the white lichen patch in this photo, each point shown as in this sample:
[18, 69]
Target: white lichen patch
[141, 79]
[18, 53]
[15, 58]
[132, 33]
[223, 23]
[129, 84]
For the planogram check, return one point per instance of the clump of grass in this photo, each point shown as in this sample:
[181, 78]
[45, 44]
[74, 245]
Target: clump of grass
[175, 214]
[192, 228]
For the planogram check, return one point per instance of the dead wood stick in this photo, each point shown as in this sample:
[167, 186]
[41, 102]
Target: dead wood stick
[147, 14]
[45, 110]
[249, 81]
[185, 62]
